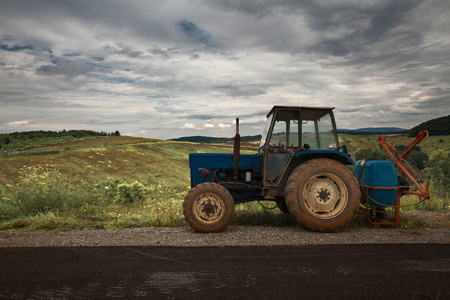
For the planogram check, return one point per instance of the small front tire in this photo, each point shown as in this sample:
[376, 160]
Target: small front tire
[208, 207]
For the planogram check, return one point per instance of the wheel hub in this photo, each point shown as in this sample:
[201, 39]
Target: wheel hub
[208, 208]
[322, 195]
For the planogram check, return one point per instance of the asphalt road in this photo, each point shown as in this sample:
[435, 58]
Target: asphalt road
[413, 271]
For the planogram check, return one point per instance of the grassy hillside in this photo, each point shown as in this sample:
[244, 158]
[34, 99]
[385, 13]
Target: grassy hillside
[99, 182]
[119, 181]
[147, 160]
[96, 159]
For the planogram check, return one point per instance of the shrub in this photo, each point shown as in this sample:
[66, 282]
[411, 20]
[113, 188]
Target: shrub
[135, 192]
[372, 153]
[439, 169]
[44, 191]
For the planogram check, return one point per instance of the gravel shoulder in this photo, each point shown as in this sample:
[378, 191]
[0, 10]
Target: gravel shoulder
[235, 235]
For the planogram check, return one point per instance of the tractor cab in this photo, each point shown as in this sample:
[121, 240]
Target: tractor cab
[291, 129]
[293, 135]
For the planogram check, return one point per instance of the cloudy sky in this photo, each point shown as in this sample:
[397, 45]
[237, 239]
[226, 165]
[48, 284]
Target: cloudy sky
[166, 69]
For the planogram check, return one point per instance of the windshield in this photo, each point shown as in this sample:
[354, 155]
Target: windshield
[266, 130]
[327, 138]
[318, 132]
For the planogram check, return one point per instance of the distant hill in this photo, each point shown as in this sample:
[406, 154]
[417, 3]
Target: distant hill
[439, 126]
[373, 130]
[210, 140]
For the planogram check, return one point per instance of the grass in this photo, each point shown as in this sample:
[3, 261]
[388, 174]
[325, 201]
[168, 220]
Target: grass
[123, 182]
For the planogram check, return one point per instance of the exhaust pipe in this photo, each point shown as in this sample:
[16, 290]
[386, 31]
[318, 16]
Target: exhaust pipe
[236, 150]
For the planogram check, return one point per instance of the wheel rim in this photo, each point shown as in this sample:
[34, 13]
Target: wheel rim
[325, 195]
[208, 208]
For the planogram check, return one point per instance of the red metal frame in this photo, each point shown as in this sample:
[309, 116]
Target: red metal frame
[398, 195]
[399, 160]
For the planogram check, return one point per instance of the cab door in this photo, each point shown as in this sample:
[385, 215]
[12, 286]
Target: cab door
[283, 140]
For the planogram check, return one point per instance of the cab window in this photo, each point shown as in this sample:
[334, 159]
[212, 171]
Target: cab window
[285, 129]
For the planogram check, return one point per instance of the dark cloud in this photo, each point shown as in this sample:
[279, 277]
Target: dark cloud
[71, 54]
[388, 18]
[363, 33]
[98, 58]
[14, 48]
[123, 50]
[118, 79]
[242, 89]
[69, 68]
[161, 52]
[195, 34]
[254, 8]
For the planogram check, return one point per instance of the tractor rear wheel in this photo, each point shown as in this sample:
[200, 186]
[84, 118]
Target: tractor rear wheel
[323, 195]
[208, 207]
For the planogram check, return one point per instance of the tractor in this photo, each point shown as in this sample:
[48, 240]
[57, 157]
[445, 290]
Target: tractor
[299, 165]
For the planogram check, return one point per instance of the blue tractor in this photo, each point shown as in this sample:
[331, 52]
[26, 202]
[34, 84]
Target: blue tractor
[299, 165]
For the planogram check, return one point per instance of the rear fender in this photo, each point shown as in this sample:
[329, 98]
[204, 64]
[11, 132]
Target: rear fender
[302, 157]
[331, 154]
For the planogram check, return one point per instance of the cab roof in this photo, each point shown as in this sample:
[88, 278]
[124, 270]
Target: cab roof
[310, 108]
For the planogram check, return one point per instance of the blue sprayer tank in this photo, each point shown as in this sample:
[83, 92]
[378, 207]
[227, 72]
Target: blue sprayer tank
[377, 173]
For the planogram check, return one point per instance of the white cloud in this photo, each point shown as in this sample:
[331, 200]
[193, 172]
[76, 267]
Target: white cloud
[223, 126]
[188, 126]
[17, 123]
[209, 125]
[405, 109]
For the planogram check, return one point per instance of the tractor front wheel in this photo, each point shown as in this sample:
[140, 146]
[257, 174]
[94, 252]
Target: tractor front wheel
[208, 207]
[323, 195]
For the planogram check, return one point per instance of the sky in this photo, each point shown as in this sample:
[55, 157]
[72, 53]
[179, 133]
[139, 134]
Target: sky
[167, 69]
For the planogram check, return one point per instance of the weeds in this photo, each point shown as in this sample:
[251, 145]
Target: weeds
[53, 200]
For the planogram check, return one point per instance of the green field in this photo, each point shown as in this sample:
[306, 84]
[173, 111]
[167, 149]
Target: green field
[119, 181]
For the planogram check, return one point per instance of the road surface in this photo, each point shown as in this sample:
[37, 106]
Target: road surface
[405, 271]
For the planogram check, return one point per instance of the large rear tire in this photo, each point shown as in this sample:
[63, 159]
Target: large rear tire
[323, 195]
[208, 207]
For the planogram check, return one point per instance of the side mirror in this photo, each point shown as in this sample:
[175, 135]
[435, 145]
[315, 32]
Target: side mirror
[282, 146]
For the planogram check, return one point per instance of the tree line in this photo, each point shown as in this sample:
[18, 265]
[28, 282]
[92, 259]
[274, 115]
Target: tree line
[5, 138]
[439, 126]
